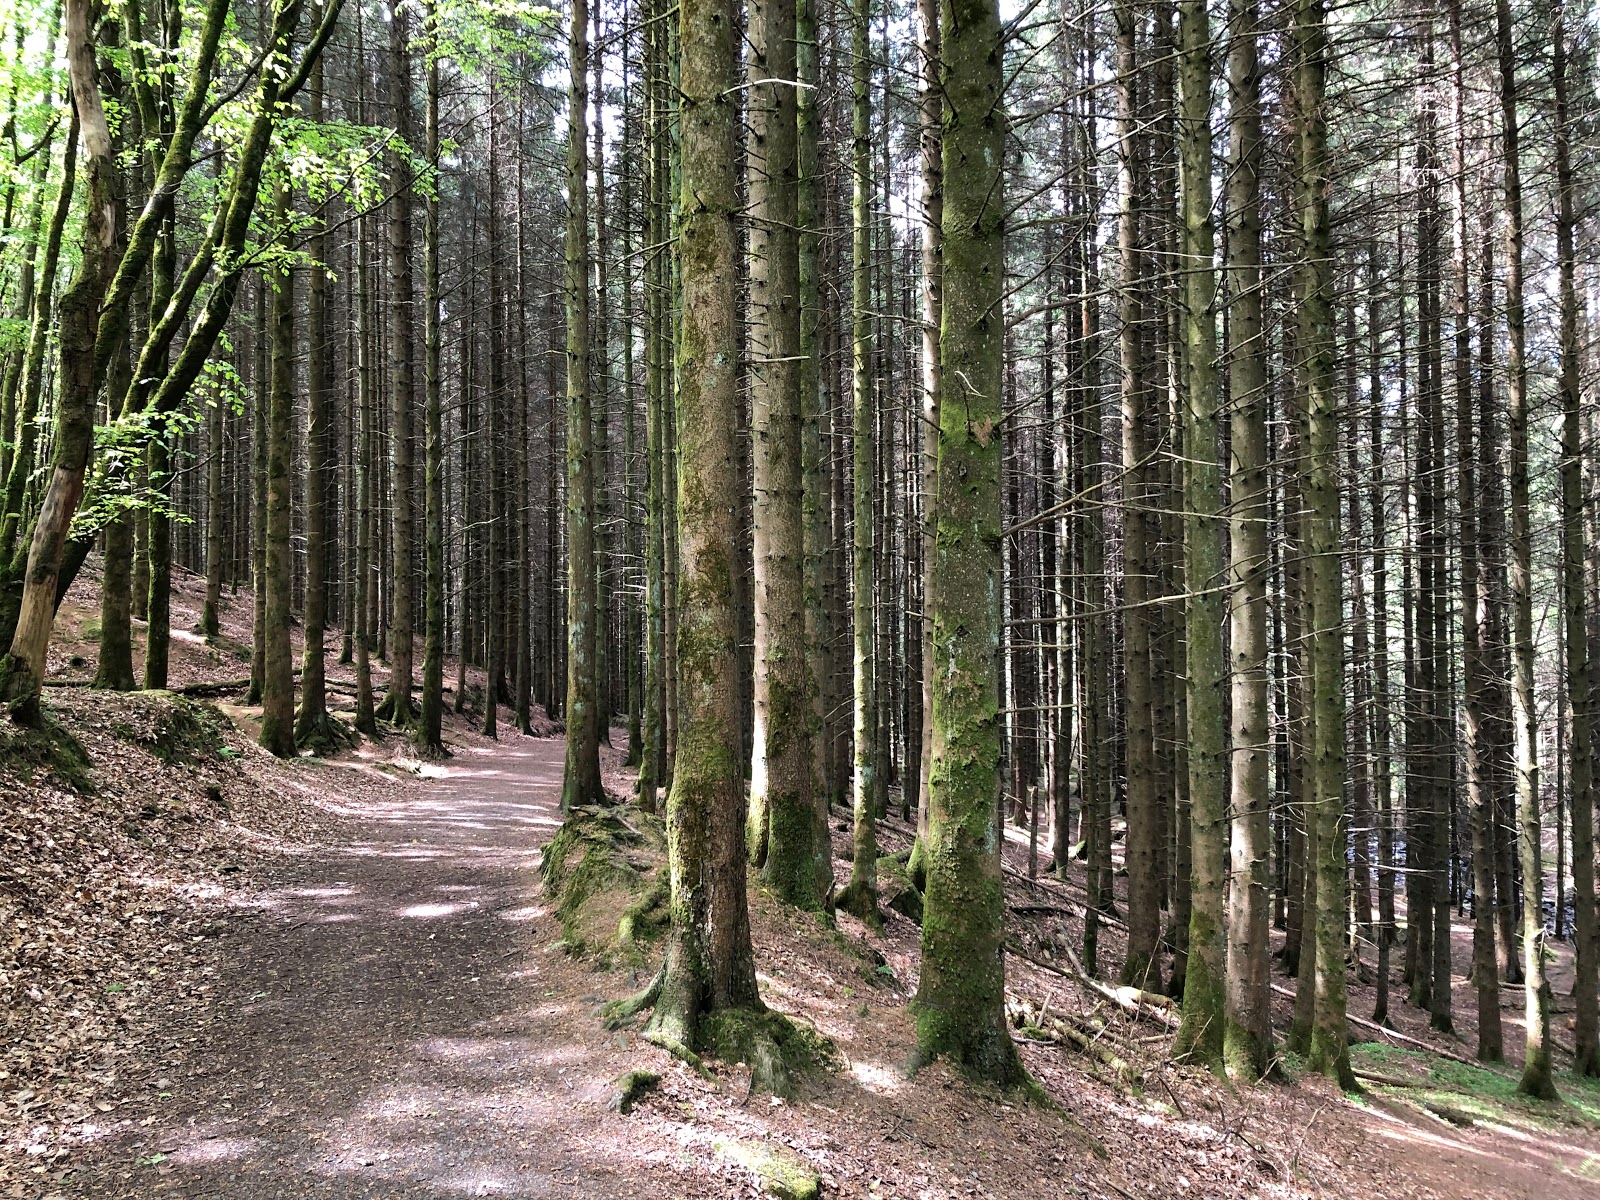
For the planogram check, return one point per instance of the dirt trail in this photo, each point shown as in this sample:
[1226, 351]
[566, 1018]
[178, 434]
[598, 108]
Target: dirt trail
[393, 1022]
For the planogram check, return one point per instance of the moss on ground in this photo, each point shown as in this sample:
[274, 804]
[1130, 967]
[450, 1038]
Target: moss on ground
[777, 1050]
[174, 729]
[604, 872]
[1486, 1092]
[48, 749]
[779, 1173]
[897, 888]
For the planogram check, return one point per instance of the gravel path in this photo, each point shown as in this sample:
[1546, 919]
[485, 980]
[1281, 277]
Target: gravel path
[392, 1022]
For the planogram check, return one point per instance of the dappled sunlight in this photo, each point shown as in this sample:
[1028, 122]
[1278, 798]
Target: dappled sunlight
[874, 1077]
[212, 1148]
[430, 912]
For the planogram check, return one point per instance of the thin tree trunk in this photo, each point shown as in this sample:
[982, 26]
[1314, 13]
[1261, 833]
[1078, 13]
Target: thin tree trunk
[277, 692]
[1247, 1030]
[1536, 1074]
[1574, 600]
[861, 896]
[397, 702]
[782, 827]
[581, 783]
[430, 735]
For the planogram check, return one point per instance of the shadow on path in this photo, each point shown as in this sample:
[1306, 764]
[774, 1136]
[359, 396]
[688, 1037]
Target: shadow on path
[392, 1022]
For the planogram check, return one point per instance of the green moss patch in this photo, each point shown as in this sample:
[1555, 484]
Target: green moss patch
[47, 749]
[1483, 1092]
[605, 873]
[779, 1173]
[897, 889]
[777, 1050]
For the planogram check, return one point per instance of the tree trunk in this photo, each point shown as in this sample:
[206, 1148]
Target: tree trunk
[710, 967]
[1536, 1074]
[1247, 1029]
[22, 669]
[581, 783]
[783, 827]
[1140, 968]
[277, 692]
[861, 895]
[960, 1002]
[397, 702]
[1329, 1053]
[430, 735]
[1574, 600]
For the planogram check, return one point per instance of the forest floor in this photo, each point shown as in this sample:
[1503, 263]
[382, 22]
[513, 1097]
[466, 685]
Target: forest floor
[341, 978]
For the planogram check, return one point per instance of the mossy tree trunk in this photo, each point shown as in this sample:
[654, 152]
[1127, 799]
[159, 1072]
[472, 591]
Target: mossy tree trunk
[1247, 1029]
[710, 966]
[814, 461]
[1329, 1052]
[22, 669]
[277, 693]
[581, 783]
[960, 1002]
[1201, 1035]
[783, 826]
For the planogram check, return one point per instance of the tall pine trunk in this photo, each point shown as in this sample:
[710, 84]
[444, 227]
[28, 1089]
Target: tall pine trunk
[1536, 1073]
[783, 827]
[581, 783]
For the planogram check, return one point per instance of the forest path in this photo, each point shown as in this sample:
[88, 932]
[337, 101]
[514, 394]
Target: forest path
[392, 1020]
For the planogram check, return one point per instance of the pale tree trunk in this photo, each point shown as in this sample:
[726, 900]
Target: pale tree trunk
[22, 669]
[783, 826]
[930, 135]
[581, 783]
[1536, 1074]
[960, 1002]
[861, 895]
[1247, 1031]
[814, 460]
[1201, 1035]
[1329, 1052]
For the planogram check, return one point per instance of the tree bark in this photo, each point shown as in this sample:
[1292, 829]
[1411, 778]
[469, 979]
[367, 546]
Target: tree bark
[960, 1002]
[1536, 1072]
[581, 782]
[1247, 1029]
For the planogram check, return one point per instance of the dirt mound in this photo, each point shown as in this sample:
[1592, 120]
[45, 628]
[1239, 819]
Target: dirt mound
[605, 870]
